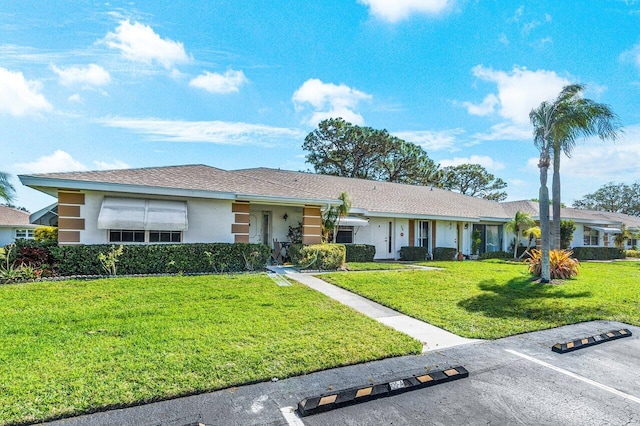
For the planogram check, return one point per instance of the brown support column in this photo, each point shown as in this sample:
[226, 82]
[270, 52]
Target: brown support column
[412, 232]
[240, 227]
[70, 220]
[311, 225]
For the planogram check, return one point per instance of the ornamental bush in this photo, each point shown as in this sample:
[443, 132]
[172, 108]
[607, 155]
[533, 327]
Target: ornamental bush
[444, 253]
[598, 253]
[498, 255]
[360, 252]
[413, 253]
[633, 253]
[46, 234]
[562, 265]
[324, 256]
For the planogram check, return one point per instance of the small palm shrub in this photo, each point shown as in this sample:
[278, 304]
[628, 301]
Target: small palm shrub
[562, 265]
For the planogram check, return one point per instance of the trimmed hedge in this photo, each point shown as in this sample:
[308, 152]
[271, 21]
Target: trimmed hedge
[162, 258]
[318, 256]
[444, 253]
[496, 255]
[360, 252]
[598, 253]
[413, 253]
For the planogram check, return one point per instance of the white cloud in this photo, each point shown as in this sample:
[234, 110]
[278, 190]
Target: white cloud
[220, 132]
[506, 132]
[91, 75]
[116, 164]
[19, 96]
[488, 105]
[138, 42]
[329, 101]
[228, 82]
[59, 161]
[596, 159]
[432, 140]
[484, 160]
[520, 90]
[397, 10]
[75, 98]
[632, 55]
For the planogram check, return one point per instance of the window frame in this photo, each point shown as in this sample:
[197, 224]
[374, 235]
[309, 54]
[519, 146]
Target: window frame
[345, 230]
[588, 237]
[423, 240]
[28, 234]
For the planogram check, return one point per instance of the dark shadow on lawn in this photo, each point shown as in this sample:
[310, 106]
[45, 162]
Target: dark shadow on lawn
[523, 299]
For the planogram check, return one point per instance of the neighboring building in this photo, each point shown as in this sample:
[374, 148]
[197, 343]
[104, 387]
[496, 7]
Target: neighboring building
[14, 224]
[198, 203]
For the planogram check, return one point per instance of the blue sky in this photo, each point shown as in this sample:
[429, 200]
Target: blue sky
[91, 85]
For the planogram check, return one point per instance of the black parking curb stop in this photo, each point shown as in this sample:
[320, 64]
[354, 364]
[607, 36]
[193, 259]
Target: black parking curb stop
[336, 399]
[574, 345]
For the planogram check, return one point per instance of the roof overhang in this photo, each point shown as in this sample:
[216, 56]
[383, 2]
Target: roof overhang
[352, 221]
[45, 216]
[607, 230]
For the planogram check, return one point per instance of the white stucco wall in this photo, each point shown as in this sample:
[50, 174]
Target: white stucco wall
[7, 236]
[209, 220]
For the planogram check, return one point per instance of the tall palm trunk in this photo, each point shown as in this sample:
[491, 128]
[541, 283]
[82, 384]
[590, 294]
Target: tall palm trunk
[555, 189]
[543, 196]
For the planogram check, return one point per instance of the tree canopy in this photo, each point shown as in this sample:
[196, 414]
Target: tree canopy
[340, 148]
[473, 180]
[613, 197]
[6, 188]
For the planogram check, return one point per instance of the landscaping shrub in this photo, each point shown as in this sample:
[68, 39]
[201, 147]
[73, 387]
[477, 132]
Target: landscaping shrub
[633, 253]
[498, 254]
[414, 253]
[598, 253]
[360, 252]
[318, 256]
[162, 258]
[562, 265]
[444, 253]
[46, 234]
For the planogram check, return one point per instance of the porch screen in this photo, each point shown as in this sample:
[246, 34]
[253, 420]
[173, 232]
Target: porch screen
[135, 213]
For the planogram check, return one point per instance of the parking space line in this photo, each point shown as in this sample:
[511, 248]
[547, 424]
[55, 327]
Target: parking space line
[289, 414]
[577, 376]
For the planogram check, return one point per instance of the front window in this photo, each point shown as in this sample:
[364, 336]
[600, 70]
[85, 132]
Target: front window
[24, 233]
[423, 234]
[165, 236]
[591, 236]
[126, 236]
[345, 235]
[632, 242]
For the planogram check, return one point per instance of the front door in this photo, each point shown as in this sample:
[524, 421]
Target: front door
[383, 237]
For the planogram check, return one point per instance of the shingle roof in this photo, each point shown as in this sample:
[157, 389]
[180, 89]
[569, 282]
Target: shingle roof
[13, 217]
[383, 197]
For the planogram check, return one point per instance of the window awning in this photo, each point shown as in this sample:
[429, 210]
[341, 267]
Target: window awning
[353, 221]
[607, 230]
[135, 213]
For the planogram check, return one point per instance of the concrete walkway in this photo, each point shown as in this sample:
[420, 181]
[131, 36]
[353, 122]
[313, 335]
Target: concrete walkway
[432, 337]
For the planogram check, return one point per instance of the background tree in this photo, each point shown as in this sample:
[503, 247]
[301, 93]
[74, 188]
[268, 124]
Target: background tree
[613, 197]
[6, 188]
[521, 222]
[340, 148]
[473, 180]
[576, 116]
[567, 228]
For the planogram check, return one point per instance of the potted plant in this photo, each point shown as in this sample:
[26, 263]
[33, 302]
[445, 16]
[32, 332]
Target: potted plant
[476, 241]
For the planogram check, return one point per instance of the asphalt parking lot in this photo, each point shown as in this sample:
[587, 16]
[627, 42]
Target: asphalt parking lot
[516, 380]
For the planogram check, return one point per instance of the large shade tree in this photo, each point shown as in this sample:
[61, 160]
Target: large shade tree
[556, 126]
[473, 180]
[613, 197]
[340, 148]
[6, 188]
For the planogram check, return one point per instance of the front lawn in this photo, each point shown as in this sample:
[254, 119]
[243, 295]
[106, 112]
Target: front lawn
[377, 266]
[78, 346]
[489, 300]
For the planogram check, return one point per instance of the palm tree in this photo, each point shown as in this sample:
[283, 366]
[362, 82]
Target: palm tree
[6, 188]
[520, 223]
[556, 125]
[576, 116]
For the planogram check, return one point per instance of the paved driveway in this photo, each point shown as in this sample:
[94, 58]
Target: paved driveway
[516, 380]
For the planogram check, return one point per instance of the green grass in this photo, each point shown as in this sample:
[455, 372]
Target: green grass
[376, 266]
[489, 300]
[78, 346]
